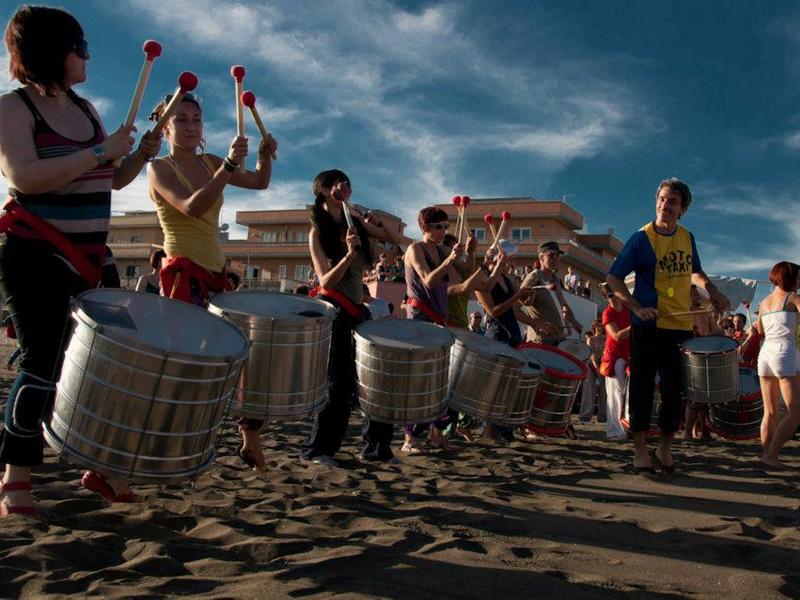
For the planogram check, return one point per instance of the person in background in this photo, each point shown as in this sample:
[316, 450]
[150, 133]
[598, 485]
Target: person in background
[150, 282]
[739, 322]
[595, 339]
[616, 321]
[570, 280]
[475, 319]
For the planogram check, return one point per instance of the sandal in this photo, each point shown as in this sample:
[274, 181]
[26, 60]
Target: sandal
[411, 448]
[250, 460]
[25, 511]
[666, 469]
[97, 483]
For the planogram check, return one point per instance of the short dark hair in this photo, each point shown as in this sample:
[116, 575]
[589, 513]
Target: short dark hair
[302, 290]
[784, 275]
[676, 185]
[38, 39]
[740, 315]
[234, 278]
[450, 240]
[431, 214]
[155, 258]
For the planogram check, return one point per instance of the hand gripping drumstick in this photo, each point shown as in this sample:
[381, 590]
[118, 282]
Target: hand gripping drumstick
[152, 50]
[187, 82]
[249, 100]
[237, 72]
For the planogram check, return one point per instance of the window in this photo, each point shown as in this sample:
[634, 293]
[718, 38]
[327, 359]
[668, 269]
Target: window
[132, 271]
[269, 236]
[250, 272]
[301, 272]
[301, 236]
[137, 239]
[282, 272]
[520, 233]
[480, 234]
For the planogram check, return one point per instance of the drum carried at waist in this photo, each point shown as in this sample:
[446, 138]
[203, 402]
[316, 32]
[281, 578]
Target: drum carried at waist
[740, 418]
[144, 386]
[286, 375]
[710, 369]
[577, 349]
[562, 375]
[491, 380]
[402, 368]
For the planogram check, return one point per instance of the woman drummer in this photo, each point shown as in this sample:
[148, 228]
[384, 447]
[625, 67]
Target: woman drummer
[58, 161]
[339, 255]
[779, 360]
[187, 187]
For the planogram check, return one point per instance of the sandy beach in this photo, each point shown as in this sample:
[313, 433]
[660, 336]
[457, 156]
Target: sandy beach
[559, 518]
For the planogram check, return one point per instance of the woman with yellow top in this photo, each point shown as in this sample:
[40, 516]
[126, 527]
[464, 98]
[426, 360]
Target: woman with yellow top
[187, 188]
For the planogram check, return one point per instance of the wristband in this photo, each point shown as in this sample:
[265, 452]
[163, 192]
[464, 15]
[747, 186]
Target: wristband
[230, 165]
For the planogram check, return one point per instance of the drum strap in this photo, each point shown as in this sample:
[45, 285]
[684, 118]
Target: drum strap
[342, 301]
[427, 311]
[14, 212]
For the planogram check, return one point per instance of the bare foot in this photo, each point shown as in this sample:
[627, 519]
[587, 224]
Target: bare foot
[772, 462]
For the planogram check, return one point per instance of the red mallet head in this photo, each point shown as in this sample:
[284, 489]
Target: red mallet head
[465, 200]
[237, 72]
[488, 218]
[187, 81]
[248, 99]
[457, 200]
[152, 49]
[505, 215]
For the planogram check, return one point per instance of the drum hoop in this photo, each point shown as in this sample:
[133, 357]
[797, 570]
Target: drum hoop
[224, 312]
[80, 316]
[729, 436]
[555, 372]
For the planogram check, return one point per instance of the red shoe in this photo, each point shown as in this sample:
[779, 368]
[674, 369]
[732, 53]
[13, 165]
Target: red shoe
[96, 482]
[26, 511]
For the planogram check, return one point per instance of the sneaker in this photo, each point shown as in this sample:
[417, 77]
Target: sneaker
[320, 459]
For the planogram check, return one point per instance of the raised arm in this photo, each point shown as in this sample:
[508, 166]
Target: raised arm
[329, 275]
[430, 277]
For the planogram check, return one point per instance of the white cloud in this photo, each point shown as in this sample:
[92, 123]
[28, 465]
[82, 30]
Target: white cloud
[793, 140]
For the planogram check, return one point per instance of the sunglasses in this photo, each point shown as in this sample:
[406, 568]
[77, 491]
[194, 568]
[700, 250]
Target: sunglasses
[439, 226]
[81, 49]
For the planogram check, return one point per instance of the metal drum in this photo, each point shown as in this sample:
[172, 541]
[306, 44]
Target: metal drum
[739, 419]
[486, 380]
[144, 386]
[710, 369]
[577, 348]
[402, 369]
[286, 375]
[561, 378]
[625, 420]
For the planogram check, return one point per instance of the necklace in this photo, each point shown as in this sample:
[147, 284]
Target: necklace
[660, 258]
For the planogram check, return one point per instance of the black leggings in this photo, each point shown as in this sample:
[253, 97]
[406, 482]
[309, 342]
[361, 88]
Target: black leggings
[37, 286]
[656, 351]
[330, 425]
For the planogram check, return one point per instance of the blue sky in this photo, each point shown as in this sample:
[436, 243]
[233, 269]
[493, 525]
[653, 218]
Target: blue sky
[417, 101]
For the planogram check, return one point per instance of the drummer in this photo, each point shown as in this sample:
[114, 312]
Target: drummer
[540, 304]
[187, 188]
[664, 257]
[695, 426]
[56, 247]
[428, 273]
[340, 255]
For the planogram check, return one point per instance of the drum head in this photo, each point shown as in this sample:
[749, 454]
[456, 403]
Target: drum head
[709, 344]
[275, 305]
[150, 322]
[555, 361]
[482, 345]
[577, 348]
[404, 334]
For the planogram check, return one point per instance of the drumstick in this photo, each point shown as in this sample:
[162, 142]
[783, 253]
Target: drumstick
[456, 200]
[489, 220]
[506, 216]
[249, 100]
[687, 312]
[465, 200]
[237, 72]
[152, 50]
[187, 82]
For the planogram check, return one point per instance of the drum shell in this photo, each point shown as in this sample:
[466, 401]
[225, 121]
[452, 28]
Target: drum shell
[399, 385]
[482, 385]
[286, 374]
[518, 411]
[710, 378]
[655, 429]
[738, 419]
[129, 410]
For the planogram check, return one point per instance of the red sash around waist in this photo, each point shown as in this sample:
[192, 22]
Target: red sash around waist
[176, 280]
[342, 301]
[427, 311]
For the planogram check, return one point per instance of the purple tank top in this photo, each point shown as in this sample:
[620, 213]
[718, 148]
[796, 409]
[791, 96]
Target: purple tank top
[436, 298]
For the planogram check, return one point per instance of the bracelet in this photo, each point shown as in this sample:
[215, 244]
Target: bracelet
[230, 165]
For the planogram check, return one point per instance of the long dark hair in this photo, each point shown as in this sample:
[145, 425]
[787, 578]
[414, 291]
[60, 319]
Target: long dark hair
[330, 231]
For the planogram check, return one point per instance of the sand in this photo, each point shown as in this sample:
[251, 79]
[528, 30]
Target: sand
[560, 518]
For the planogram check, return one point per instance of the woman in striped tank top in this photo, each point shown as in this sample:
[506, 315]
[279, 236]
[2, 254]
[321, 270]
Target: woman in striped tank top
[58, 161]
[187, 188]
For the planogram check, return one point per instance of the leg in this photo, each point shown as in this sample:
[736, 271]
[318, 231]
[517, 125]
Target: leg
[377, 440]
[788, 425]
[691, 419]
[615, 390]
[588, 397]
[642, 385]
[669, 368]
[769, 395]
[251, 451]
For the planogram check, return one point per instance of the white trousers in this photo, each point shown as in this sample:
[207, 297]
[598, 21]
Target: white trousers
[615, 395]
